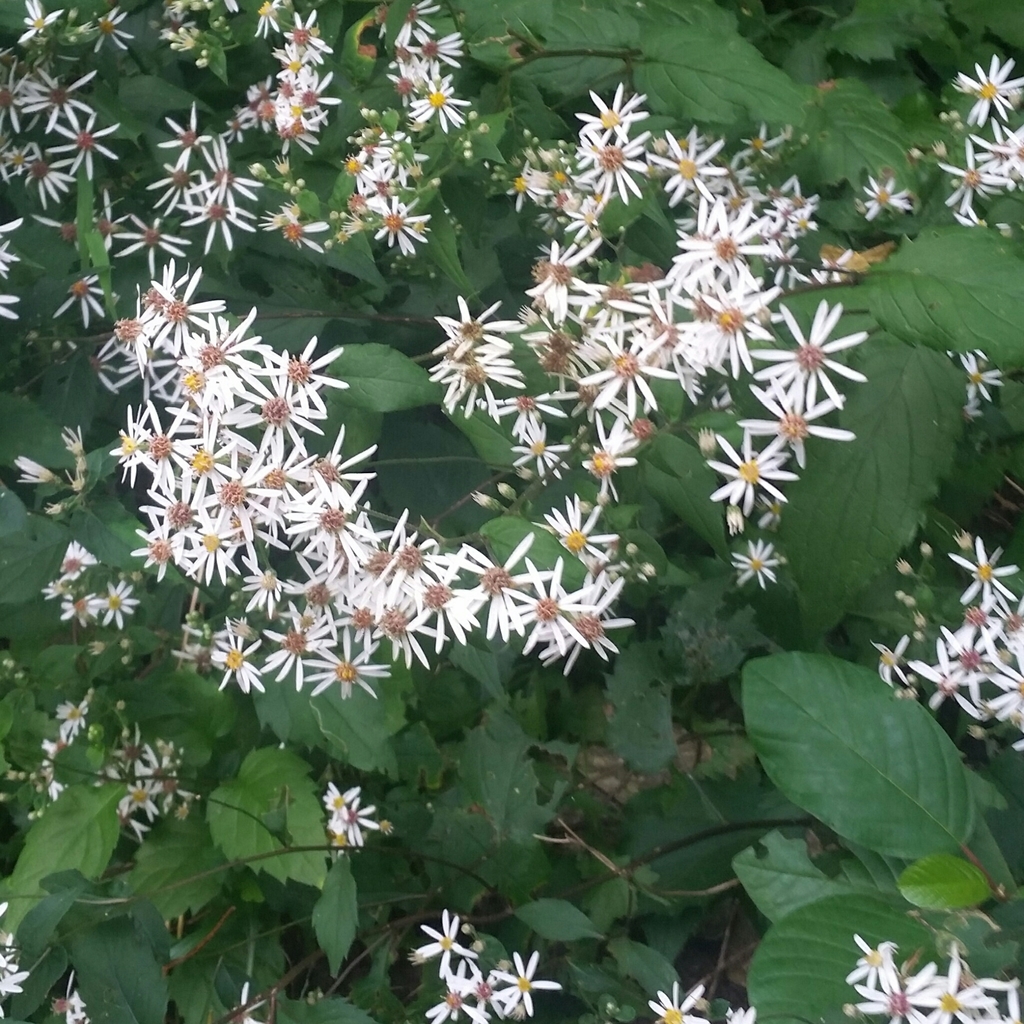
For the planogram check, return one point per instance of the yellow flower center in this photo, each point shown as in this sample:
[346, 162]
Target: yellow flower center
[576, 541]
[756, 564]
[882, 196]
[519, 184]
[128, 445]
[235, 659]
[194, 380]
[202, 461]
[989, 91]
[106, 26]
[609, 119]
[538, 448]
[975, 378]
[603, 464]
[985, 572]
[113, 602]
[523, 984]
[437, 100]
[211, 542]
[687, 169]
[445, 943]
[750, 471]
[346, 673]
[949, 1003]
[672, 1016]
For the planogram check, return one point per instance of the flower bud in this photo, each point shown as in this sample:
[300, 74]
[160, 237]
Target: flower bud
[734, 520]
[707, 442]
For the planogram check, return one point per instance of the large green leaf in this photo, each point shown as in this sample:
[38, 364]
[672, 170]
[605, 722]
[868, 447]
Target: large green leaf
[273, 796]
[858, 502]
[679, 477]
[26, 430]
[78, 832]
[381, 379]
[336, 913]
[799, 970]
[692, 72]
[834, 738]
[499, 776]
[167, 864]
[118, 976]
[953, 288]
[783, 878]
[30, 558]
[855, 134]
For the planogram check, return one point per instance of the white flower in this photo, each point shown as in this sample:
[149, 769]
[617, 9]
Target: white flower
[889, 660]
[617, 118]
[439, 101]
[547, 458]
[972, 181]
[346, 670]
[883, 196]
[804, 368]
[116, 604]
[980, 378]
[868, 966]
[83, 143]
[230, 654]
[522, 984]
[611, 454]
[950, 999]
[986, 574]
[757, 563]
[690, 166]
[794, 424]
[443, 942]
[399, 225]
[672, 1010]
[750, 473]
[994, 89]
[72, 719]
[577, 534]
[554, 274]
[898, 997]
[606, 165]
[37, 20]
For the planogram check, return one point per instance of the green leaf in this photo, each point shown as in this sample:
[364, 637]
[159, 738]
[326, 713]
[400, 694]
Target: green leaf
[26, 430]
[695, 73]
[783, 878]
[323, 1011]
[77, 832]
[679, 477]
[30, 558]
[557, 920]
[274, 783]
[953, 288]
[640, 729]
[833, 737]
[336, 913]
[943, 882]
[799, 970]
[650, 969]
[443, 247]
[168, 863]
[118, 975]
[876, 29]
[858, 502]
[381, 379]
[489, 439]
[499, 776]
[855, 134]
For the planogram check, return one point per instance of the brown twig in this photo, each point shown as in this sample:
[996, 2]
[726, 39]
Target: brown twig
[168, 967]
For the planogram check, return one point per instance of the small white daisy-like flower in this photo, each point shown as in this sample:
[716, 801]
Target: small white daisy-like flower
[757, 563]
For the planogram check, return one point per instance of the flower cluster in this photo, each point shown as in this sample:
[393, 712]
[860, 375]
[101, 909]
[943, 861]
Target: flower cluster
[992, 163]
[612, 348]
[79, 603]
[923, 994]
[507, 990]
[11, 974]
[980, 664]
[348, 821]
